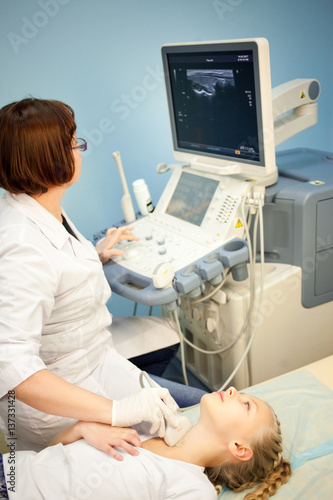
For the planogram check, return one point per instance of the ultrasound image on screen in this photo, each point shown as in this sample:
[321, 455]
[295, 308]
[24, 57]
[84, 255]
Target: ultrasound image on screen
[191, 198]
[214, 105]
[206, 82]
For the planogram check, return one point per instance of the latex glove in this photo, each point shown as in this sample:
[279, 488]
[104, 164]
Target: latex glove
[152, 404]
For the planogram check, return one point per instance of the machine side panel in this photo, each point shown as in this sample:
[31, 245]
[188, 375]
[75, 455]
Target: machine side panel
[313, 243]
[324, 240]
[324, 273]
[278, 232]
[324, 248]
[298, 222]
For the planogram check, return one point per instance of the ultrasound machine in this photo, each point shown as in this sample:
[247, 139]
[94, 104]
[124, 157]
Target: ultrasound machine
[239, 248]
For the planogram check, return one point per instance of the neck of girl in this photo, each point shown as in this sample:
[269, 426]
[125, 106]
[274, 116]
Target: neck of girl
[198, 447]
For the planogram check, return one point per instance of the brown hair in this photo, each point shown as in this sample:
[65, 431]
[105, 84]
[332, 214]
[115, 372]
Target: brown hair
[35, 145]
[266, 470]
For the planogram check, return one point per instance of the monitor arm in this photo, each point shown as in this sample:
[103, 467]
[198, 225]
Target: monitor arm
[294, 107]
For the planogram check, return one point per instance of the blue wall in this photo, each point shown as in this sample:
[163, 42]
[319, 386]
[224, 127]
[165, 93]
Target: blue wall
[103, 58]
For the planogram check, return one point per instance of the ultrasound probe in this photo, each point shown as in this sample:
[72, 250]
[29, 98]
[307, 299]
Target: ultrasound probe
[172, 434]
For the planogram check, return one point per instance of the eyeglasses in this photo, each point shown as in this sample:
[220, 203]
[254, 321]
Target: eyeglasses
[81, 144]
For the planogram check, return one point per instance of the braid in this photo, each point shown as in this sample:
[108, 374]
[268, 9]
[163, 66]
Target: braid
[266, 469]
[278, 476]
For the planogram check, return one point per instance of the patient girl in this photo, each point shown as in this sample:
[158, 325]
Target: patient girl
[236, 442]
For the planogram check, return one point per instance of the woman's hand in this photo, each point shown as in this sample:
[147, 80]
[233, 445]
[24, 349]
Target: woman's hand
[101, 436]
[113, 235]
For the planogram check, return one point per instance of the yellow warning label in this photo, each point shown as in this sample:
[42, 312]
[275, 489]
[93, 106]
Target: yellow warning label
[302, 95]
[238, 224]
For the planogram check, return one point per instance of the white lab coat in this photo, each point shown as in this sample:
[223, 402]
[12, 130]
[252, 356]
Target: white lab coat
[52, 314]
[78, 471]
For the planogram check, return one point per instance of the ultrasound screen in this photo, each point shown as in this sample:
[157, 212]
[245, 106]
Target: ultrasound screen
[191, 198]
[214, 103]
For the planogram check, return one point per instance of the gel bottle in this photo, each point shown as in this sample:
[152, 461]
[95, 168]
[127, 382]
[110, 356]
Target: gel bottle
[142, 197]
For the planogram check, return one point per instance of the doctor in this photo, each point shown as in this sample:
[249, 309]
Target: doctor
[56, 364]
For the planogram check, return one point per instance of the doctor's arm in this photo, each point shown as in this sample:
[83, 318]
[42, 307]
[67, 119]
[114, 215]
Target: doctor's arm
[47, 392]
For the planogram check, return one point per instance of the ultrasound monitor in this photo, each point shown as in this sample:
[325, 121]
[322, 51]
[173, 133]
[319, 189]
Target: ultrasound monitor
[220, 107]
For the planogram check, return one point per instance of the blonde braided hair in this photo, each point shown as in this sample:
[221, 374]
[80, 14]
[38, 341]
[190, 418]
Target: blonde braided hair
[266, 470]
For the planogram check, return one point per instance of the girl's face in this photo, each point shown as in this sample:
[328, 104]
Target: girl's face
[234, 416]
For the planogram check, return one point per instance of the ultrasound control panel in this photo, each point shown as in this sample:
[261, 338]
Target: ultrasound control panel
[197, 214]
[201, 215]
